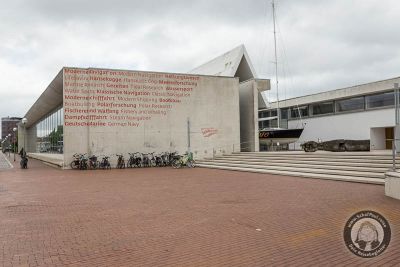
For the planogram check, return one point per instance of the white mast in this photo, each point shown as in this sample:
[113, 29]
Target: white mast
[276, 68]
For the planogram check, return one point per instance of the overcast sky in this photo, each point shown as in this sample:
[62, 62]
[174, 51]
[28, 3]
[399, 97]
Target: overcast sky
[322, 45]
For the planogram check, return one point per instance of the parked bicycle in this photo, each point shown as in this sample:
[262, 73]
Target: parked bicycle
[83, 162]
[93, 162]
[105, 163]
[185, 160]
[165, 159]
[173, 157]
[120, 161]
[135, 160]
[146, 160]
[75, 162]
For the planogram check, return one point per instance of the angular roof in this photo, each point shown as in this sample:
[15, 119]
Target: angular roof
[48, 101]
[234, 63]
[353, 91]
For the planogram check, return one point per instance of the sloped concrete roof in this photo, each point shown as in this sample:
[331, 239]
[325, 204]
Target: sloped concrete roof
[234, 63]
[49, 100]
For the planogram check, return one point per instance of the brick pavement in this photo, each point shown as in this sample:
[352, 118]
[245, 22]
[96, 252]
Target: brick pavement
[187, 217]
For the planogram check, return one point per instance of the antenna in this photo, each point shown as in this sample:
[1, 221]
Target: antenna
[276, 67]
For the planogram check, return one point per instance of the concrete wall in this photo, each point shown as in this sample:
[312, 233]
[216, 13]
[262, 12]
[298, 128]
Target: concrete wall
[355, 125]
[133, 111]
[392, 184]
[27, 138]
[249, 141]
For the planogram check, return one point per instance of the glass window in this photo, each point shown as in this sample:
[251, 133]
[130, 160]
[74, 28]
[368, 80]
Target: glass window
[323, 108]
[380, 100]
[356, 103]
[267, 114]
[263, 114]
[284, 113]
[50, 133]
[296, 112]
[284, 124]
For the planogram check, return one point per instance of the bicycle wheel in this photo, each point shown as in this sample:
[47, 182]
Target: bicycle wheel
[94, 165]
[72, 165]
[192, 163]
[153, 163]
[176, 164]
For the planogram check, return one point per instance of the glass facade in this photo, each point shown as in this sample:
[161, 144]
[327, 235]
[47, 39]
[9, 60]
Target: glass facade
[272, 122]
[284, 113]
[380, 100]
[49, 133]
[353, 104]
[323, 108]
[296, 112]
[267, 113]
[356, 103]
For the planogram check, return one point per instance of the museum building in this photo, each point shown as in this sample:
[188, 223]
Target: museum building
[209, 111]
[214, 109]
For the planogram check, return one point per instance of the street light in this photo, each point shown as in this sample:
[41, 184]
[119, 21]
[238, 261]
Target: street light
[4, 144]
[15, 141]
[24, 121]
[10, 141]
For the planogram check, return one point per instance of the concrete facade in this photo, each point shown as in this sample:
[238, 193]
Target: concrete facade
[249, 92]
[150, 114]
[356, 125]
[108, 112]
[237, 63]
[392, 185]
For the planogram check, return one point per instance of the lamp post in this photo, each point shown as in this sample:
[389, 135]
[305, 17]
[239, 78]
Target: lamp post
[4, 145]
[24, 122]
[10, 141]
[15, 141]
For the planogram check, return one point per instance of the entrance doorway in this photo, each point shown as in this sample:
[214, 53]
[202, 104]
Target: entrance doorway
[381, 138]
[389, 136]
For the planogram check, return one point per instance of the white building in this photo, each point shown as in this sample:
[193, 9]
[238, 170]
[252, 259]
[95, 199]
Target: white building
[359, 112]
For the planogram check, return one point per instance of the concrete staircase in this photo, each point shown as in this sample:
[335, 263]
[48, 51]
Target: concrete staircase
[363, 167]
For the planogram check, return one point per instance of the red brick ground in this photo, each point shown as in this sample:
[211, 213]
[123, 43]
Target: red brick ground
[188, 217]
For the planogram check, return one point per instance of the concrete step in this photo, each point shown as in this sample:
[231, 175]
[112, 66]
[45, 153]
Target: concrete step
[284, 159]
[54, 160]
[338, 177]
[324, 171]
[359, 163]
[318, 153]
[312, 155]
[310, 164]
[366, 167]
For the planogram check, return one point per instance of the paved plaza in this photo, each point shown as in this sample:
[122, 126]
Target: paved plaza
[185, 217]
